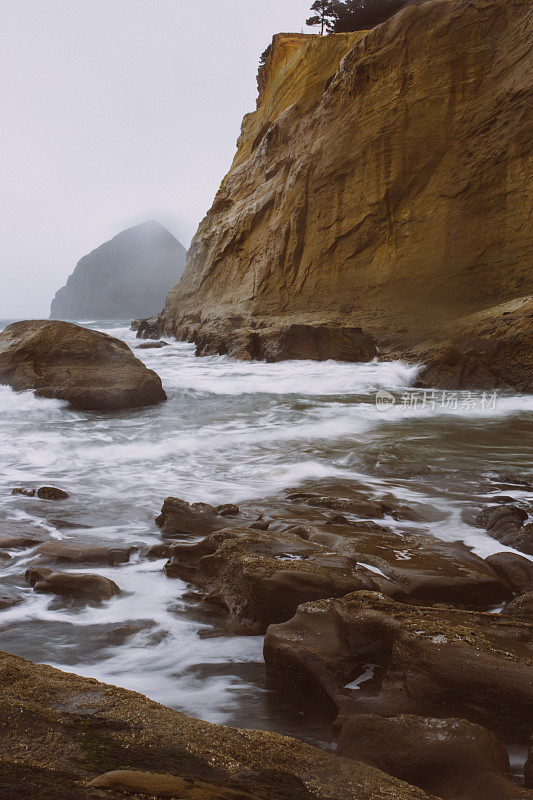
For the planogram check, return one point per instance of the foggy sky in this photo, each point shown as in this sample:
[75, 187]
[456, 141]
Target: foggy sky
[113, 112]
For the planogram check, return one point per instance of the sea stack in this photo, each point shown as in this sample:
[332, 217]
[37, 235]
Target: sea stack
[129, 276]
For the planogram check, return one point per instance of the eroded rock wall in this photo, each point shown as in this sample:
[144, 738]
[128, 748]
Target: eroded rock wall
[382, 180]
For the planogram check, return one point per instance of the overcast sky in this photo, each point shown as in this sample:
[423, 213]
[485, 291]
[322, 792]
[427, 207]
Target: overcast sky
[113, 112]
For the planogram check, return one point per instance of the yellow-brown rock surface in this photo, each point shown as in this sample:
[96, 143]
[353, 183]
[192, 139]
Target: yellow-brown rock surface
[382, 181]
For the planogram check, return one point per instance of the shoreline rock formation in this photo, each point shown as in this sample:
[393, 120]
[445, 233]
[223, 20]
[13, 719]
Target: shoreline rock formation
[381, 183]
[71, 738]
[89, 369]
[126, 277]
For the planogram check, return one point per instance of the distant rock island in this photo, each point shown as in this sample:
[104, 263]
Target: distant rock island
[129, 276]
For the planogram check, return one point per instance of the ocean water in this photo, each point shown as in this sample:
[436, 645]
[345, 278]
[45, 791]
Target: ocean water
[238, 432]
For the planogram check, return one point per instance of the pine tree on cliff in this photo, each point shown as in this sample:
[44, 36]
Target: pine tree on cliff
[324, 14]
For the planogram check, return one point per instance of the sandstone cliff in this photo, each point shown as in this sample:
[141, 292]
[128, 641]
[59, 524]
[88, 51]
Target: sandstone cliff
[126, 277]
[381, 182]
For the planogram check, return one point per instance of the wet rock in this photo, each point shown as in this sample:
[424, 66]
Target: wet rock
[18, 541]
[451, 758]
[317, 342]
[365, 653]
[152, 345]
[228, 510]
[151, 328]
[89, 369]
[261, 577]
[159, 551]
[360, 506]
[515, 569]
[158, 785]
[83, 552]
[82, 586]
[260, 525]
[179, 517]
[520, 607]
[51, 493]
[9, 597]
[417, 567]
[24, 492]
[61, 730]
[506, 524]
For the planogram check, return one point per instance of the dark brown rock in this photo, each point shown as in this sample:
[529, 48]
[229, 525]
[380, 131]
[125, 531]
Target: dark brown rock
[51, 493]
[151, 328]
[81, 586]
[515, 569]
[9, 597]
[16, 541]
[261, 577]
[506, 524]
[60, 731]
[365, 653]
[416, 567]
[359, 506]
[75, 551]
[317, 342]
[520, 607]
[24, 492]
[451, 758]
[89, 369]
[179, 517]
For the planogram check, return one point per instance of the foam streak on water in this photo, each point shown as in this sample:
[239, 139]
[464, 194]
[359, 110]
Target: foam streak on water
[231, 431]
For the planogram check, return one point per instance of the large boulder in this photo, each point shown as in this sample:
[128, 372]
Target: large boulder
[89, 369]
[452, 758]
[62, 731]
[365, 653]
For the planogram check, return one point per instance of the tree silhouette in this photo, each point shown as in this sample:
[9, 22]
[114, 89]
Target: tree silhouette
[323, 16]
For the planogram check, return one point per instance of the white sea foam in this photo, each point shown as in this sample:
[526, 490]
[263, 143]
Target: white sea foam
[231, 431]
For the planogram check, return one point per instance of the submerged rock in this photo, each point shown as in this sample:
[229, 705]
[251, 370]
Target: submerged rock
[24, 492]
[51, 493]
[451, 758]
[76, 551]
[82, 586]
[60, 731]
[365, 653]
[89, 369]
[152, 345]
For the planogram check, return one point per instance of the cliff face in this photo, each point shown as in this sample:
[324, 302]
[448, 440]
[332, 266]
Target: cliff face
[126, 277]
[382, 180]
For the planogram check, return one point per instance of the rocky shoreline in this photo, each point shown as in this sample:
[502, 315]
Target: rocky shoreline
[412, 641]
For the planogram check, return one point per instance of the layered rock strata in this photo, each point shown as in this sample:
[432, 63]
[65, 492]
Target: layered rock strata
[381, 183]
